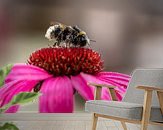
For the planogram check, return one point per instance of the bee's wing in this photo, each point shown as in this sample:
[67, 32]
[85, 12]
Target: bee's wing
[61, 24]
[52, 23]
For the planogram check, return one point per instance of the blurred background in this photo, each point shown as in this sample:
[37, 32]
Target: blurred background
[128, 33]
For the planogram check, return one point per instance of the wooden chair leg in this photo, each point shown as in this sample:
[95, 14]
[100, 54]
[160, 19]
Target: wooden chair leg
[124, 125]
[160, 98]
[146, 110]
[95, 119]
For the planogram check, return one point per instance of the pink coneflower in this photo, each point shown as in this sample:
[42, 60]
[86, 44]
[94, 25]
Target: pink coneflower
[57, 73]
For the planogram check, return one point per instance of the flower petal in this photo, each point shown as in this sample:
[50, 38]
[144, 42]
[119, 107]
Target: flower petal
[13, 109]
[81, 86]
[9, 90]
[6, 87]
[121, 88]
[115, 79]
[26, 72]
[121, 79]
[114, 74]
[91, 78]
[57, 96]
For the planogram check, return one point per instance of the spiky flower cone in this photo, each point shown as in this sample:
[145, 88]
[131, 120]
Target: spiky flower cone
[67, 61]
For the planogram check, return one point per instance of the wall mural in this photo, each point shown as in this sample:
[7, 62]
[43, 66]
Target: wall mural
[57, 72]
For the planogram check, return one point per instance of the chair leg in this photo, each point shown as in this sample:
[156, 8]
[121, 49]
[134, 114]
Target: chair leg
[94, 124]
[124, 125]
[146, 109]
[144, 126]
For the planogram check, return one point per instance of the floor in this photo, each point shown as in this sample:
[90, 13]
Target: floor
[73, 121]
[69, 125]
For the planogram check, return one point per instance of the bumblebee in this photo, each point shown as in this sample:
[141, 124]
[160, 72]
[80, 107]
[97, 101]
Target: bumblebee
[81, 39]
[67, 36]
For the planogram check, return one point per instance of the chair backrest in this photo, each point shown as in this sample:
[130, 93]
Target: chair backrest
[146, 77]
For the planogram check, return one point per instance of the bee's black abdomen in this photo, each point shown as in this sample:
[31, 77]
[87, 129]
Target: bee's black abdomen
[80, 40]
[83, 43]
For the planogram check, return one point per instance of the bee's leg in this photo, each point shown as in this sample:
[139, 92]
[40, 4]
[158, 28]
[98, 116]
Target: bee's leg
[55, 44]
[63, 44]
[58, 44]
[66, 43]
[49, 46]
[69, 41]
[69, 44]
[89, 45]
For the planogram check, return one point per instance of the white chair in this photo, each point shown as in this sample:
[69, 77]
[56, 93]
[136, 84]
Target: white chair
[138, 106]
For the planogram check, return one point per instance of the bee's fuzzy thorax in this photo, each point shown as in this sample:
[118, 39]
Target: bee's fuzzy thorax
[67, 61]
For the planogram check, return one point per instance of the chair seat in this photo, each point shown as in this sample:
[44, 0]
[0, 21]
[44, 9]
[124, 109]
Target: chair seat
[125, 110]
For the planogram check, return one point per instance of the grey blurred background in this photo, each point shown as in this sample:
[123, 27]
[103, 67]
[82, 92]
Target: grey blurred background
[128, 33]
